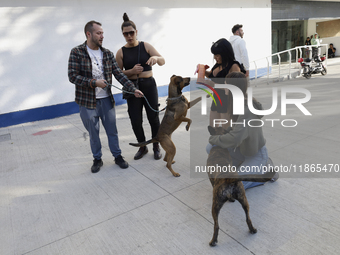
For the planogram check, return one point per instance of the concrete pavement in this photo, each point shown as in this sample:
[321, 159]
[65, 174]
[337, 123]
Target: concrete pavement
[52, 204]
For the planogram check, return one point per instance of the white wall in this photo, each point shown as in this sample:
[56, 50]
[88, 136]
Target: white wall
[36, 38]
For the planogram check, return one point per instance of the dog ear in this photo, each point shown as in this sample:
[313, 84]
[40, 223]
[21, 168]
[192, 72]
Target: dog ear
[178, 80]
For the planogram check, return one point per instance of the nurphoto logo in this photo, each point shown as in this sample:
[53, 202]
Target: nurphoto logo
[238, 105]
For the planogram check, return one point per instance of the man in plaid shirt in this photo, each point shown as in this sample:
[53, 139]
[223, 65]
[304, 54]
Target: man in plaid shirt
[90, 68]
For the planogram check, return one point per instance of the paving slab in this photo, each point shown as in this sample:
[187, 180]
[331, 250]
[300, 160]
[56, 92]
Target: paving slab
[50, 202]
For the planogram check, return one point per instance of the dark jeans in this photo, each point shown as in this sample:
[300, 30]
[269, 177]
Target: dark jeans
[135, 108]
[315, 53]
[90, 118]
[331, 55]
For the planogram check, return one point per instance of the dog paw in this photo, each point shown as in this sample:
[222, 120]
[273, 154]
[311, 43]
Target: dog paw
[176, 174]
[212, 243]
[253, 231]
[188, 125]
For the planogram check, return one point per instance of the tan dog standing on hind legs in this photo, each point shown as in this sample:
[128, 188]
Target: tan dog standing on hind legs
[228, 186]
[175, 114]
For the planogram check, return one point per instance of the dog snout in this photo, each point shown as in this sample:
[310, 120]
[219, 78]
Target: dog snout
[186, 81]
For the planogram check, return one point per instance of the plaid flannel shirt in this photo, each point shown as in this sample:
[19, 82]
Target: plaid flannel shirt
[80, 74]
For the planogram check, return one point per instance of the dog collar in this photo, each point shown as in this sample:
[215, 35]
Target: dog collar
[173, 98]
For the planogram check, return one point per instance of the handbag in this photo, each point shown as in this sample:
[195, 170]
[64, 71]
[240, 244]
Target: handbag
[126, 95]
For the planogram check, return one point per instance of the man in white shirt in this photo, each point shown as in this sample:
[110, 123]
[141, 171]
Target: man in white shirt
[239, 47]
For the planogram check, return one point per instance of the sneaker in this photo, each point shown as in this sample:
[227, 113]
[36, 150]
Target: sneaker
[97, 163]
[121, 162]
[271, 166]
[141, 152]
[275, 177]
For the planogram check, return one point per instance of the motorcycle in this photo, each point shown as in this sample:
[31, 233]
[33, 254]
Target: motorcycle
[308, 69]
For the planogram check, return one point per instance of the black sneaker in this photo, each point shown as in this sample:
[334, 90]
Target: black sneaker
[97, 163]
[121, 162]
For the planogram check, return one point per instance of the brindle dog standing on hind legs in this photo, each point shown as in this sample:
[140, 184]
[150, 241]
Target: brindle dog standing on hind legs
[227, 186]
[175, 114]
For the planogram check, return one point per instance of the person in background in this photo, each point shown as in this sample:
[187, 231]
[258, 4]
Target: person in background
[90, 68]
[331, 51]
[239, 47]
[315, 40]
[307, 43]
[315, 45]
[136, 59]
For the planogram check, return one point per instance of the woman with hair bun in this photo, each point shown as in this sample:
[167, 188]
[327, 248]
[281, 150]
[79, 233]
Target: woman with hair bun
[136, 59]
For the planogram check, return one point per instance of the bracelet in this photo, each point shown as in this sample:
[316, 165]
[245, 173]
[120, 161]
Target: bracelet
[91, 85]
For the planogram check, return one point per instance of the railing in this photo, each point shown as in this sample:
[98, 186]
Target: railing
[299, 54]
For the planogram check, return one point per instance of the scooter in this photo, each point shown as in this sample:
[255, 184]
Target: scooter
[308, 68]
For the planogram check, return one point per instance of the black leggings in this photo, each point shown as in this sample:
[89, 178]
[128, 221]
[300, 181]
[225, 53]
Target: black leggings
[135, 108]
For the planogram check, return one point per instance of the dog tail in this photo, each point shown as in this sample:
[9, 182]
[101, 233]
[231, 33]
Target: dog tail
[153, 140]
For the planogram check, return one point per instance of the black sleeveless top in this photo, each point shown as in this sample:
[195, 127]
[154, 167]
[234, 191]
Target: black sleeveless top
[136, 55]
[220, 76]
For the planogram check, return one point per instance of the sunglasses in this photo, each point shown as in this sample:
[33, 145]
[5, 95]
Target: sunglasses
[130, 33]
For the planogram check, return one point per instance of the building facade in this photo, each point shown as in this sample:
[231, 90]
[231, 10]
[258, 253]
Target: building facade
[37, 36]
[294, 21]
